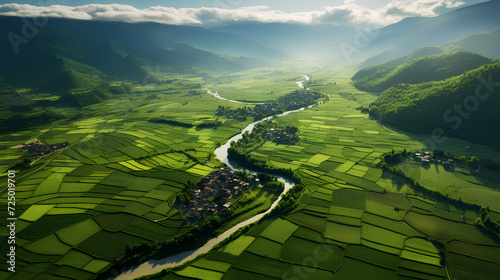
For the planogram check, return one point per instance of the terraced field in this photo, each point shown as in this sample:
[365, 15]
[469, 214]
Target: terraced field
[116, 184]
[353, 221]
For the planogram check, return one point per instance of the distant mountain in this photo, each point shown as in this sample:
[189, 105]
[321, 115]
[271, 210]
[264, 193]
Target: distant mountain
[453, 105]
[484, 43]
[230, 44]
[78, 59]
[314, 41]
[410, 70]
[402, 38]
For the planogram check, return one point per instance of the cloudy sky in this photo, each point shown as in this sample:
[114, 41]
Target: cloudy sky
[216, 12]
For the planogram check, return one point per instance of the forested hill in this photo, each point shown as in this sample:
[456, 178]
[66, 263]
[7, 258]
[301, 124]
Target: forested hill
[78, 59]
[465, 106]
[428, 68]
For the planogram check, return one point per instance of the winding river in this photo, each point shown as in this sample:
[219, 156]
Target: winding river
[217, 95]
[154, 266]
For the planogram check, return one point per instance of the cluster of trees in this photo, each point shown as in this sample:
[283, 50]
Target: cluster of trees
[472, 162]
[363, 109]
[394, 158]
[205, 124]
[210, 124]
[268, 130]
[454, 106]
[398, 174]
[292, 101]
[487, 225]
[270, 183]
[289, 201]
[170, 122]
[185, 195]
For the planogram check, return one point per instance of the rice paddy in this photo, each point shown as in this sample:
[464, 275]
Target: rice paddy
[117, 182]
[353, 221]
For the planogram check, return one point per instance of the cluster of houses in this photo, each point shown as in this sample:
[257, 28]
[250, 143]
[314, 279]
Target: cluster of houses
[39, 149]
[426, 158]
[42, 150]
[219, 187]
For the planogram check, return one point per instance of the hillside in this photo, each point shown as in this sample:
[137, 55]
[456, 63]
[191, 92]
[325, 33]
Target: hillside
[9, 97]
[413, 71]
[483, 43]
[403, 37]
[422, 108]
[77, 60]
[320, 41]
[215, 41]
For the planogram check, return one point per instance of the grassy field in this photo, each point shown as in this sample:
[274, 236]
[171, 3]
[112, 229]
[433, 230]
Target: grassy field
[117, 181]
[115, 184]
[258, 84]
[477, 188]
[352, 221]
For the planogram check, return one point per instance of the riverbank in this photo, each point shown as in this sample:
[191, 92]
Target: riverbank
[153, 265]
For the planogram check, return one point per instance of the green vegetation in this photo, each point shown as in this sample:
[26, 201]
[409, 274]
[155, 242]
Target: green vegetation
[487, 225]
[292, 101]
[423, 108]
[238, 246]
[419, 70]
[111, 198]
[279, 230]
[263, 133]
[352, 210]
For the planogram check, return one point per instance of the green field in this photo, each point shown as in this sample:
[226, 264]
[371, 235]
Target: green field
[353, 211]
[117, 183]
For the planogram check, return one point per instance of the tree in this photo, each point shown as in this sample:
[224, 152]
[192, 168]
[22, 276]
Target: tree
[473, 163]
[291, 129]
[388, 158]
[385, 166]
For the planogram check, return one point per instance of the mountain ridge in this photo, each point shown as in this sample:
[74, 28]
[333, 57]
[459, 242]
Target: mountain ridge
[411, 70]
[450, 105]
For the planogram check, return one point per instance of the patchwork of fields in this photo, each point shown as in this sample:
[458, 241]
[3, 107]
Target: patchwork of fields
[116, 185]
[353, 221]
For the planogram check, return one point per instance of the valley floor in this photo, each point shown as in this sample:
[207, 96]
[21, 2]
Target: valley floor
[82, 209]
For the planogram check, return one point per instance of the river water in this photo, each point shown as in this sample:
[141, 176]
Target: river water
[154, 266]
[217, 95]
[301, 83]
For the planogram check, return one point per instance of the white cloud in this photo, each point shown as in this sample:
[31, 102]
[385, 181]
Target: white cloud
[392, 12]
[349, 13]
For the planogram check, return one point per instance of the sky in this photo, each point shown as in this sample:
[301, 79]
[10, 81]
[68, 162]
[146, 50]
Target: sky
[357, 13]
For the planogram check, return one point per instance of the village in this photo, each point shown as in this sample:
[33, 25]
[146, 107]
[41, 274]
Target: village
[292, 101]
[217, 189]
[426, 158]
[41, 150]
[38, 149]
